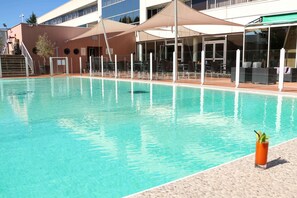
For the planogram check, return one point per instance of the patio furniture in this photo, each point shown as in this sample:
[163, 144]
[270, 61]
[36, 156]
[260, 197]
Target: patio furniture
[257, 64]
[290, 75]
[245, 74]
[264, 75]
[247, 64]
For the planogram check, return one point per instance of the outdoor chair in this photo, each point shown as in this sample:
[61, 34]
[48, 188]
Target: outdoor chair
[245, 74]
[257, 64]
[290, 75]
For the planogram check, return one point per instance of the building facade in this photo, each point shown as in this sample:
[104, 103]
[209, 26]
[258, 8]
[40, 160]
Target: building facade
[261, 41]
[77, 13]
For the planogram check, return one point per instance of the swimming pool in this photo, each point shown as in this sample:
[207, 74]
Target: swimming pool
[73, 137]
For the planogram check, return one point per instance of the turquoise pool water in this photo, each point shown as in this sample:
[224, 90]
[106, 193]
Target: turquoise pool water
[72, 137]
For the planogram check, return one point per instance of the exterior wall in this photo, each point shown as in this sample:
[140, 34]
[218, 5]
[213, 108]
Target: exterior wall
[72, 6]
[61, 37]
[247, 12]
[240, 13]
[91, 18]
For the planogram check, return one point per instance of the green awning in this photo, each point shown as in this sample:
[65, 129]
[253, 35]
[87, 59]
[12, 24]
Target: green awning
[282, 18]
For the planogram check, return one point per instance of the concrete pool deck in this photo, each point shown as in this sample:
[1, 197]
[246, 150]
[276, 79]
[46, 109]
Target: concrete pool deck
[239, 178]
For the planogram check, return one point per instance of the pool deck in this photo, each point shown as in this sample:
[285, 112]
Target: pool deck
[239, 178]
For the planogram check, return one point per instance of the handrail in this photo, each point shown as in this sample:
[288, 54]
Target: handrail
[25, 53]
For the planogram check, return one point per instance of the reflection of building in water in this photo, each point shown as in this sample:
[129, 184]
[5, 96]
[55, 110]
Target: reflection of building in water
[19, 103]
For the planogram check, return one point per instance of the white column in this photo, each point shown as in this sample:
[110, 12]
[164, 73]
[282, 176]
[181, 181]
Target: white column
[27, 67]
[67, 66]
[151, 66]
[173, 69]
[140, 52]
[202, 67]
[90, 61]
[132, 65]
[102, 68]
[281, 70]
[115, 66]
[80, 66]
[51, 66]
[195, 49]
[237, 68]
[0, 68]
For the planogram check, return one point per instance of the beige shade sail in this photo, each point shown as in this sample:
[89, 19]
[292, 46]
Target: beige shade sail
[110, 27]
[186, 16]
[165, 33]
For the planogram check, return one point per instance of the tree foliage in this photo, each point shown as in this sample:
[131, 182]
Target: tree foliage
[2, 41]
[45, 47]
[32, 19]
[126, 19]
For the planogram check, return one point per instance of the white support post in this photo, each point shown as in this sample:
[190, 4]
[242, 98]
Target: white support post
[281, 69]
[67, 66]
[0, 68]
[115, 66]
[90, 60]
[27, 67]
[151, 66]
[51, 66]
[174, 70]
[202, 67]
[237, 68]
[80, 66]
[132, 65]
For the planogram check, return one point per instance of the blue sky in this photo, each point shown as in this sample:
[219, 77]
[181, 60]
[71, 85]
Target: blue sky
[10, 10]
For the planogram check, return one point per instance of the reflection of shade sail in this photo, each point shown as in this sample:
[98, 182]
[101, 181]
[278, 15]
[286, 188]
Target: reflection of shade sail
[110, 27]
[186, 16]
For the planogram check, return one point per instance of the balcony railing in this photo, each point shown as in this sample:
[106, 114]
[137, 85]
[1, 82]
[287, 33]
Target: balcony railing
[221, 3]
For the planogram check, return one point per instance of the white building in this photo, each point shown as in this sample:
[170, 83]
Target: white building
[75, 13]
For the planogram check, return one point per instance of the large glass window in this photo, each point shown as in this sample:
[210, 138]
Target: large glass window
[290, 47]
[126, 11]
[256, 46]
[280, 37]
[277, 41]
[72, 15]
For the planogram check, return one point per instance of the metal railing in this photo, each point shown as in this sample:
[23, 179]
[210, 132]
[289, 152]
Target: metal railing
[27, 55]
[221, 3]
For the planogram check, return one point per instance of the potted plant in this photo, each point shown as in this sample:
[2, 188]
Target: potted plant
[261, 149]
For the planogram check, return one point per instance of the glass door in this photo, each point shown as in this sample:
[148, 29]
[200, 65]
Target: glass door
[215, 56]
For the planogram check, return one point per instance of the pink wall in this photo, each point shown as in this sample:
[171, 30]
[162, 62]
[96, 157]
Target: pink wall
[122, 46]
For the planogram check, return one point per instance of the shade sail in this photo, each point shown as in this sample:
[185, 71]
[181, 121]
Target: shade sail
[164, 33]
[186, 16]
[110, 27]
